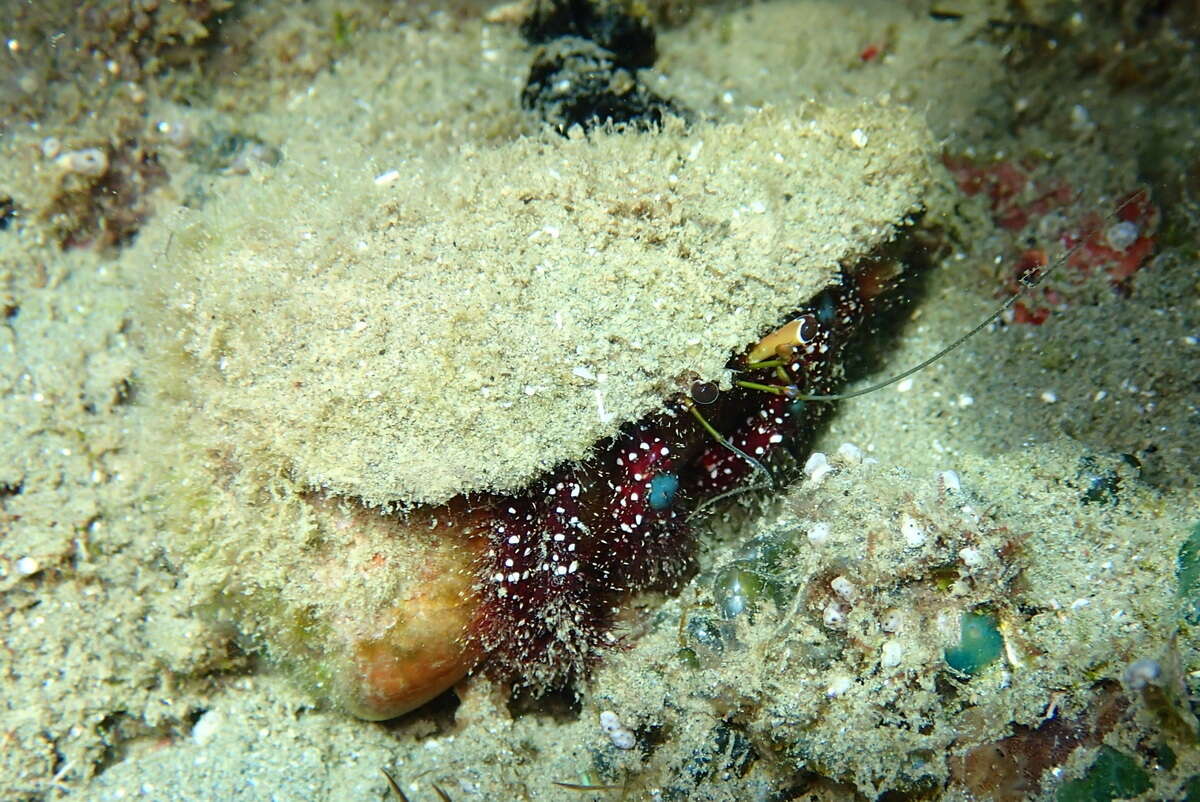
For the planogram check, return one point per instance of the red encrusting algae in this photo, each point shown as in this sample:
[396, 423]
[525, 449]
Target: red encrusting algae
[1118, 242]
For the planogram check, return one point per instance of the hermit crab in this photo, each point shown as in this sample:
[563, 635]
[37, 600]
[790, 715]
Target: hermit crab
[442, 423]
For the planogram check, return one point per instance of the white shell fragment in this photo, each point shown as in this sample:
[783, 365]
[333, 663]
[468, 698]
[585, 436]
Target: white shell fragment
[27, 566]
[621, 736]
[971, 557]
[914, 533]
[207, 727]
[818, 533]
[891, 654]
[838, 685]
[834, 616]
[817, 467]
[949, 481]
[92, 162]
[844, 588]
[850, 453]
[1121, 235]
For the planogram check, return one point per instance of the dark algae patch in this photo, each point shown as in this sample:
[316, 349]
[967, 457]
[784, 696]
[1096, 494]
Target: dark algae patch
[1187, 575]
[1112, 775]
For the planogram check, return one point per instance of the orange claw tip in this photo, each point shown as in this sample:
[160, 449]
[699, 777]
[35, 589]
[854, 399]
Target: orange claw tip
[397, 607]
[415, 649]
[388, 678]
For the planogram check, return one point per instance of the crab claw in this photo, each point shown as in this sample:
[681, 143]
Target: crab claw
[414, 650]
[393, 629]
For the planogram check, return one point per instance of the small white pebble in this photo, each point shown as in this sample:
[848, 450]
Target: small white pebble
[51, 147]
[859, 137]
[844, 588]
[839, 684]
[178, 133]
[27, 566]
[818, 533]
[891, 653]
[1049, 396]
[207, 726]
[904, 386]
[1100, 395]
[583, 373]
[965, 400]
[383, 179]
[1081, 120]
[620, 735]
[834, 616]
[91, 162]
[850, 453]
[507, 14]
[1121, 235]
[949, 481]
[971, 557]
[817, 466]
[1079, 604]
[914, 533]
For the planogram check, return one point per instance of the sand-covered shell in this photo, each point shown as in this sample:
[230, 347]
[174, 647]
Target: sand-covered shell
[464, 323]
[473, 321]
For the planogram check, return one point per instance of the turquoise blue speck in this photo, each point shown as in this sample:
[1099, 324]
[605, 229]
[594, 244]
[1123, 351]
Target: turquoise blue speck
[980, 643]
[662, 491]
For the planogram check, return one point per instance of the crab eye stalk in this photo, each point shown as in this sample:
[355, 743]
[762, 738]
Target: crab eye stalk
[779, 343]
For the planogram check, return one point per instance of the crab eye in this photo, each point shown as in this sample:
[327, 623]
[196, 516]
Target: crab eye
[807, 329]
[704, 392]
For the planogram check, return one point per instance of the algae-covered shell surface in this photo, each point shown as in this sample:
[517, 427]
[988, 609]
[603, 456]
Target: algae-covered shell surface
[464, 322]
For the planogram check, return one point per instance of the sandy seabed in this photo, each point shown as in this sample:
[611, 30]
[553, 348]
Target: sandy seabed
[1072, 441]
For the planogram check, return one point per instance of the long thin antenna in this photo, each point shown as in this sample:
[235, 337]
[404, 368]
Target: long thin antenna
[1027, 282]
[922, 365]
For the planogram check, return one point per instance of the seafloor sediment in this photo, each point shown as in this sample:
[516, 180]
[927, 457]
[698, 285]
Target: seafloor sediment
[1070, 439]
